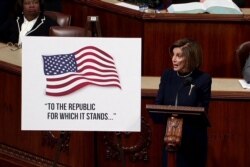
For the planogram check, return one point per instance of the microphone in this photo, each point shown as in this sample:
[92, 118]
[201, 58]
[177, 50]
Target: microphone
[185, 83]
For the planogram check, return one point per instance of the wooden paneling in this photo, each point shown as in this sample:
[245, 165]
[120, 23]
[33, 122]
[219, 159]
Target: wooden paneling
[29, 148]
[228, 143]
[228, 114]
[77, 12]
[219, 35]
[219, 40]
[228, 135]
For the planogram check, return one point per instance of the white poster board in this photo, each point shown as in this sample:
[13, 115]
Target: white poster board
[81, 84]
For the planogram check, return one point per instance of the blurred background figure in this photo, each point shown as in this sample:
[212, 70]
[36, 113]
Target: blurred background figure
[29, 22]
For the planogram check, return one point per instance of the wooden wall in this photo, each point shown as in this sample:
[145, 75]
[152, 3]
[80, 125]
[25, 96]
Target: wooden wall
[34, 148]
[228, 136]
[219, 35]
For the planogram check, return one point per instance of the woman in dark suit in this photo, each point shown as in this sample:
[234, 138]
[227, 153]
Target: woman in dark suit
[186, 85]
[30, 22]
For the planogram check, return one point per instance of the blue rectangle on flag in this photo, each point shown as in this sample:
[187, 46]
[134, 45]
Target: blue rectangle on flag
[59, 64]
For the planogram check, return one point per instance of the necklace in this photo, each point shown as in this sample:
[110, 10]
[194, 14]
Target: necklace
[184, 76]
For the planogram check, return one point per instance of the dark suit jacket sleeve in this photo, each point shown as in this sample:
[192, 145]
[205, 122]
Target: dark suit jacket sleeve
[160, 94]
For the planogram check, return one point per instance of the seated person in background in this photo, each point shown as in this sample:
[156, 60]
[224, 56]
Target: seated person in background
[31, 22]
[246, 70]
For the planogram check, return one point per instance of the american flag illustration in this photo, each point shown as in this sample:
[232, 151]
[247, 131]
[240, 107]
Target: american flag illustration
[67, 73]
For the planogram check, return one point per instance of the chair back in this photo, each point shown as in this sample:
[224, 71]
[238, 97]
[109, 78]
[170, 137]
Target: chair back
[67, 31]
[62, 19]
[242, 53]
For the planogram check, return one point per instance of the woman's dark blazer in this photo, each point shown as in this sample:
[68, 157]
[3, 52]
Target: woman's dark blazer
[40, 28]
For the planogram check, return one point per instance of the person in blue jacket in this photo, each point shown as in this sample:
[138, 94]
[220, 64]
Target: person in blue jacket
[186, 85]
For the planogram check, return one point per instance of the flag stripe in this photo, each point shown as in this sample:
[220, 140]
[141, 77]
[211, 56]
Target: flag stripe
[67, 73]
[95, 49]
[59, 82]
[88, 74]
[89, 55]
[95, 67]
[66, 92]
[82, 78]
[79, 84]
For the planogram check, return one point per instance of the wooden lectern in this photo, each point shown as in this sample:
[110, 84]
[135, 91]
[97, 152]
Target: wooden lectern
[175, 115]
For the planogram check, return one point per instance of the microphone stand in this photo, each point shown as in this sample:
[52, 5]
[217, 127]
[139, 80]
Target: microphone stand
[186, 82]
[174, 127]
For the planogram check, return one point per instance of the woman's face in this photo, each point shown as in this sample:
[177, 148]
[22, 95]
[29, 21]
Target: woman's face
[179, 61]
[31, 9]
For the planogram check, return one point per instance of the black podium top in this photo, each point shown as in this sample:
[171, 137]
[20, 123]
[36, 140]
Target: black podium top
[197, 114]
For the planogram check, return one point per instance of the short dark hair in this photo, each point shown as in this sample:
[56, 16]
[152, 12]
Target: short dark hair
[191, 50]
[20, 6]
